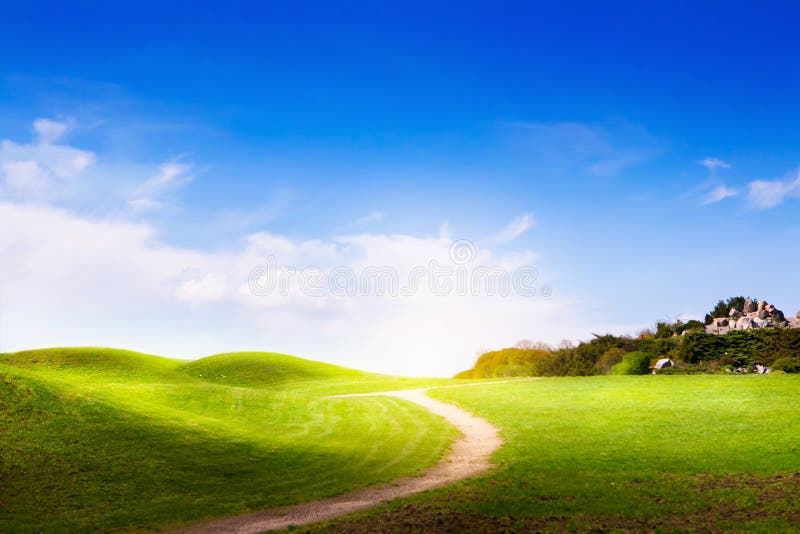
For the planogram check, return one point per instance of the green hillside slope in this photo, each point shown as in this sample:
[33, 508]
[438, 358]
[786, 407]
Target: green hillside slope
[259, 369]
[98, 439]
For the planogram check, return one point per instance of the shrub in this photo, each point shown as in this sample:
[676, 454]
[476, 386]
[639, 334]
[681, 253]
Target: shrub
[633, 363]
[507, 363]
[787, 365]
[609, 359]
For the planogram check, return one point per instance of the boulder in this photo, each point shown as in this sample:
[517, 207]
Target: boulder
[763, 314]
[770, 308]
[798, 314]
[761, 305]
[750, 306]
[758, 323]
[735, 314]
[744, 324]
[778, 316]
[721, 321]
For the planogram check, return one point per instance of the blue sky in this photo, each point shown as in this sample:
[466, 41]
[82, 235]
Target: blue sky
[644, 158]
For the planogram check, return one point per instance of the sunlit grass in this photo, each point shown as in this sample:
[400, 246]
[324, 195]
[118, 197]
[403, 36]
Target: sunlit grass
[632, 446]
[621, 454]
[94, 439]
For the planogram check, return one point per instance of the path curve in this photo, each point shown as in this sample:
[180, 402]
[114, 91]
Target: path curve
[467, 457]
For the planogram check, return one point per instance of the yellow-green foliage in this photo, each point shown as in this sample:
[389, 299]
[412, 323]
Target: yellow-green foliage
[633, 363]
[506, 363]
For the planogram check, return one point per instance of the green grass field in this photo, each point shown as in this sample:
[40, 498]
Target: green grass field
[99, 439]
[668, 453]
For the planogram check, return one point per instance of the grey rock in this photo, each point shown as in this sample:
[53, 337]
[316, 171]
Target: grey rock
[744, 324]
[763, 314]
[778, 316]
[750, 306]
[734, 313]
[761, 305]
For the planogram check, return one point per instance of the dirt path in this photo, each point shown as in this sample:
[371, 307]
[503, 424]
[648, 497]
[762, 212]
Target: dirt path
[468, 456]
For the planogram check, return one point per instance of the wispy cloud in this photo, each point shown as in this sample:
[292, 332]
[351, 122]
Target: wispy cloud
[370, 218]
[718, 194]
[613, 166]
[764, 194]
[594, 150]
[514, 229]
[713, 164]
[170, 176]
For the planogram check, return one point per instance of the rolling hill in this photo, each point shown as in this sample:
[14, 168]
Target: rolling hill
[94, 439]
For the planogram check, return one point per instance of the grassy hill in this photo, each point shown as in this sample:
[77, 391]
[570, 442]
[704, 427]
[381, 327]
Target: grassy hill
[97, 439]
[261, 369]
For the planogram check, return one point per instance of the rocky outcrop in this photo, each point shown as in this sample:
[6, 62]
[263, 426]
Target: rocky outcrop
[755, 315]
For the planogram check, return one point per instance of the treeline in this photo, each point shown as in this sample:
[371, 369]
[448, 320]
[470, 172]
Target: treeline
[691, 349]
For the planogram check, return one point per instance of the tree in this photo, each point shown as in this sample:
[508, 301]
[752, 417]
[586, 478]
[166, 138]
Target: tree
[724, 307]
[664, 330]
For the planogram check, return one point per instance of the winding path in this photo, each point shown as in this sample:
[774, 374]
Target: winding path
[468, 456]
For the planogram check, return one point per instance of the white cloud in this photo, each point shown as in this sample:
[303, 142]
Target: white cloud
[719, 193]
[207, 288]
[764, 194]
[514, 229]
[41, 171]
[24, 175]
[47, 171]
[713, 164]
[70, 280]
[49, 131]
